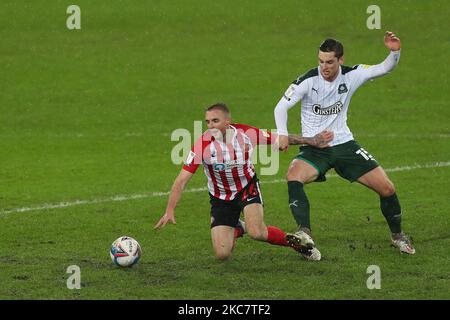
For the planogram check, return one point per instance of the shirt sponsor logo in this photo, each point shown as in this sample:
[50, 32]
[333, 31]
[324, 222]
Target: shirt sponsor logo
[333, 109]
[219, 166]
[227, 165]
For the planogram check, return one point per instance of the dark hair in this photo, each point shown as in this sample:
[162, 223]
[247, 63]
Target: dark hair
[332, 45]
[219, 106]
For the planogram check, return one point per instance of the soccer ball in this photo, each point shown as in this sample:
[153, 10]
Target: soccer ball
[125, 252]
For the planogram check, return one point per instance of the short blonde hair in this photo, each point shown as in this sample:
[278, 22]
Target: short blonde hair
[219, 106]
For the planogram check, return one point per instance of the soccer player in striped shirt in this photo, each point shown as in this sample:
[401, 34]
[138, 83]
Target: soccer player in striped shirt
[325, 93]
[225, 151]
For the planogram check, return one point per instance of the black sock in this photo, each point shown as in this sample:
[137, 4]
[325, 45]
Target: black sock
[390, 207]
[299, 204]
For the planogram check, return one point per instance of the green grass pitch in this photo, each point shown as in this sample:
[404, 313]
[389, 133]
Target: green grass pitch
[86, 116]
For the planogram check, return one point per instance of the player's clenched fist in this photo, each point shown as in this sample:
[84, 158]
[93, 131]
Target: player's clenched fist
[283, 143]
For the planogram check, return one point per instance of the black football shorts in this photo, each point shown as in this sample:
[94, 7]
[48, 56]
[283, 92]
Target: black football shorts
[227, 213]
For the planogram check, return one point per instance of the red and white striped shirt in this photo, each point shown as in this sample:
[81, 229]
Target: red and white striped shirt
[227, 166]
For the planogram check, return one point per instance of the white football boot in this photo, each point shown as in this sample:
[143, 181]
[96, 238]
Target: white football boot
[400, 241]
[303, 243]
[311, 254]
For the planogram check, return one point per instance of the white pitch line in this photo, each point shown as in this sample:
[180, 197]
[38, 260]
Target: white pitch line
[395, 169]
[48, 206]
[405, 135]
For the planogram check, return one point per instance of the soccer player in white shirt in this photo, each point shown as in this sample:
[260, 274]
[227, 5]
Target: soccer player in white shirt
[225, 151]
[325, 93]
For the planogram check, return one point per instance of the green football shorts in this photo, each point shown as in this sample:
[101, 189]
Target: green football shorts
[349, 160]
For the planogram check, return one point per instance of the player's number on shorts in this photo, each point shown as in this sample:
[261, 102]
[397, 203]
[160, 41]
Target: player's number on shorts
[364, 154]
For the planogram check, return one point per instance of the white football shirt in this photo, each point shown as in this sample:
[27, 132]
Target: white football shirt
[324, 104]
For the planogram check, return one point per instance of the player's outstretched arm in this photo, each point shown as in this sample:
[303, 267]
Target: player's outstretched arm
[175, 194]
[320, 140]
[367, 72]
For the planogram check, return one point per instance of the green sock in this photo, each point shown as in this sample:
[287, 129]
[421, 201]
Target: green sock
[299, 204]
[390, 207]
